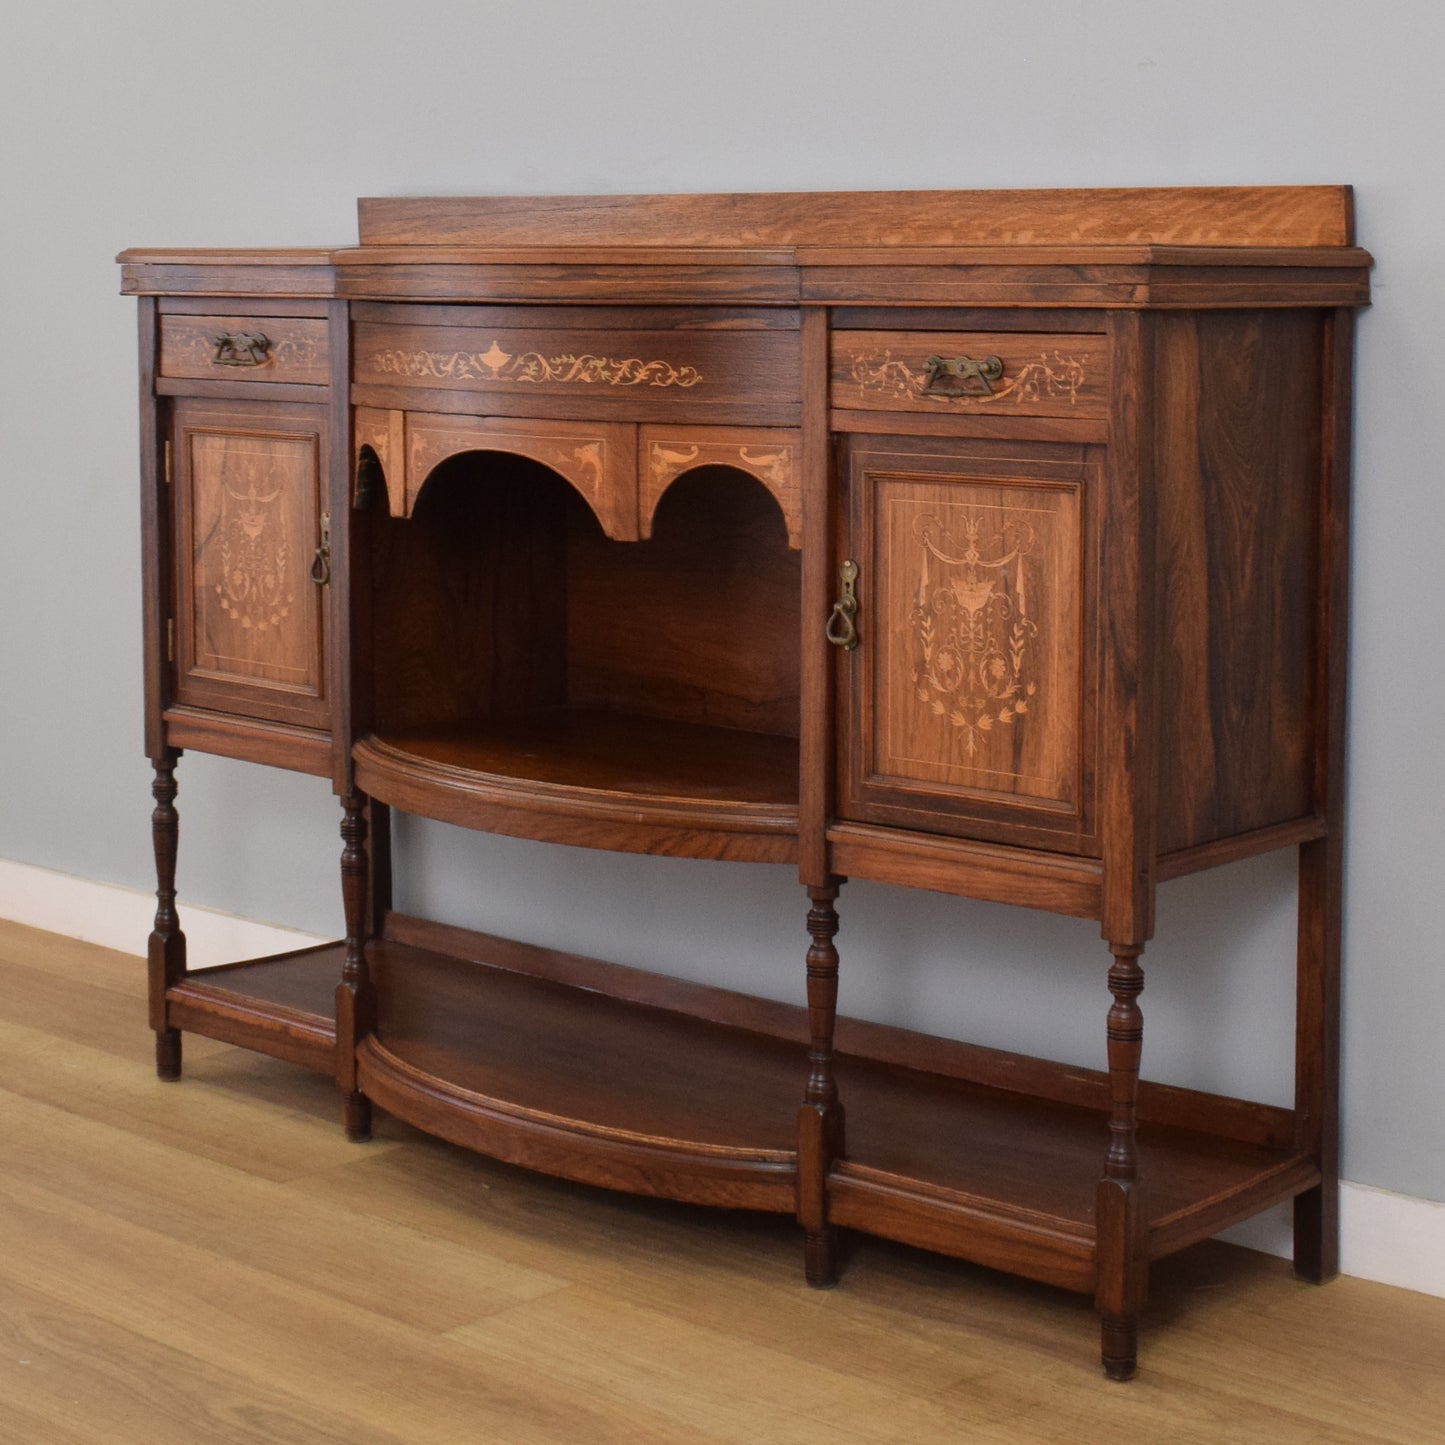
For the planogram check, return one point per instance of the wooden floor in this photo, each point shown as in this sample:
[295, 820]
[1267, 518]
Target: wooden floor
[211, 1262]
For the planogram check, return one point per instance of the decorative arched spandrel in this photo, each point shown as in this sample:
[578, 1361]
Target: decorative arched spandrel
[599, 459]
[384, 432]
[770, 454]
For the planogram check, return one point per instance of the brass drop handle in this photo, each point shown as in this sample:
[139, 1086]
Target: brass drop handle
[321, 562]
[961, 375]
[241, 348]
[841, 630]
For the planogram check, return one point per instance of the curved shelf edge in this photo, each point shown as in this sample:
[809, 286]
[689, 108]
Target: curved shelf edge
[1035, 1245]
[590, 1153]
[673, 826]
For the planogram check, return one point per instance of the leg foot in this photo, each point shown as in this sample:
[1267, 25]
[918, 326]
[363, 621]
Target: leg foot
[168, 1054]
[1119, 1337]
[358, 1117]
[820, 1258]
[1317, 1234]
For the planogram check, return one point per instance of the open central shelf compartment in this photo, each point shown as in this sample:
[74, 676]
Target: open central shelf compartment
[532, 675]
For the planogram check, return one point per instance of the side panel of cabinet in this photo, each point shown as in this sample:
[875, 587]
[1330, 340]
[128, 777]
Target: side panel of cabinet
[969, 703]
[250, 634]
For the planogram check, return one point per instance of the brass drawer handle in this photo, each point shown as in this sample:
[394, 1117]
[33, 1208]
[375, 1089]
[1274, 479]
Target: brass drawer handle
[841, 630]
[961, 375]
[241, 348]
[321, 562]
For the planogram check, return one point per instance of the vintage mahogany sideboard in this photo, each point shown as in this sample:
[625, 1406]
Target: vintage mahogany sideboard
[986, 542]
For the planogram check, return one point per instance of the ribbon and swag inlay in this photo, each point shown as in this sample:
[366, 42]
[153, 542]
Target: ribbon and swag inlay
[971, 627]
[495, 364]
[255, 554]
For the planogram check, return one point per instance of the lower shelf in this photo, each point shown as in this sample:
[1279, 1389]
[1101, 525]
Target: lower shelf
[637, 1082]
[284, 1005]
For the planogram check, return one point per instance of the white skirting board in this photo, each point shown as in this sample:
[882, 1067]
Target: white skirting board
[120, 918]
[1392, 1238]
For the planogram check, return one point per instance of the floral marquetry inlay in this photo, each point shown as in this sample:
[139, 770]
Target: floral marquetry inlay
[1051, 376]
[496, 364]
[253, 554]
[971, 608]
[970, 622]
[248, 531]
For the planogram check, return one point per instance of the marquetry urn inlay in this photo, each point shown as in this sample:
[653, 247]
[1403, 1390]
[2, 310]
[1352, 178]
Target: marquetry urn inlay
[567, 368]
[253, 550]
[970, 622]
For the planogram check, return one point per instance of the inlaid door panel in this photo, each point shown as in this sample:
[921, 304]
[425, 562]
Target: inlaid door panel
[969, 700]
[250, 601]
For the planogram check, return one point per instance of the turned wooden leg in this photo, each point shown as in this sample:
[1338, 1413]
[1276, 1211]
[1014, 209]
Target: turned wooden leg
[820, 1119]
[1122, 1269]
[166, 949]
[355, 1002]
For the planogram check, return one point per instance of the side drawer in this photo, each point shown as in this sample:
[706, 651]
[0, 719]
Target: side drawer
[245, 348]
[1018, 373]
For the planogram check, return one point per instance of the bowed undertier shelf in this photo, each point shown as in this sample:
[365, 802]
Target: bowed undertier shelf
[616, 1077]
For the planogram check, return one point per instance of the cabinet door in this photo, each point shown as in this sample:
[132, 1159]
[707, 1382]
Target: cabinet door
[250, 619]
[968, 705]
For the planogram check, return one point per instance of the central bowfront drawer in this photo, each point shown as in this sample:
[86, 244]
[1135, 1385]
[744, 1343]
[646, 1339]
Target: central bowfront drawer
[644, 364]
[1015, 373]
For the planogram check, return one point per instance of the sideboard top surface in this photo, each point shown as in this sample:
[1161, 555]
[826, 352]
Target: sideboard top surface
[1132, 248]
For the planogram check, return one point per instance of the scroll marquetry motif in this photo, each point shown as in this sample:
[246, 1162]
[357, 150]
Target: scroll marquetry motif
[252, 614]
[1040, 375]
[976, 627]
[706, 374]
[598, 458]
[769, 454]
[564, 369]
[970, 621]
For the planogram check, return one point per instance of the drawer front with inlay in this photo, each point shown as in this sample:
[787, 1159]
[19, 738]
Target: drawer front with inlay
[640, 374]
[1000, 373]
[245, 348]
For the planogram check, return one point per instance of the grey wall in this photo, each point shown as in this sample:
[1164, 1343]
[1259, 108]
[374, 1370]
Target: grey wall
[158, 122]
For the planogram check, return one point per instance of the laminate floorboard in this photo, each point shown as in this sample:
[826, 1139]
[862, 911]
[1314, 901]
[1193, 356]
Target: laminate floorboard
[211, 1262]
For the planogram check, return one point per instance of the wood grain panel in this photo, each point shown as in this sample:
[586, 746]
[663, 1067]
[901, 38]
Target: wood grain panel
[208, 347]
[698, 624]
[277, 744]
[1042, 374]
[1238, 472]
[592, 280]
[1026, 879]
[1197, 215]
[468, 608]
[250, 621]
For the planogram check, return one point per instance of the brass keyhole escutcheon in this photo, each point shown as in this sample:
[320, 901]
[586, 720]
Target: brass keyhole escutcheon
[321, 562]
[842, 629]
